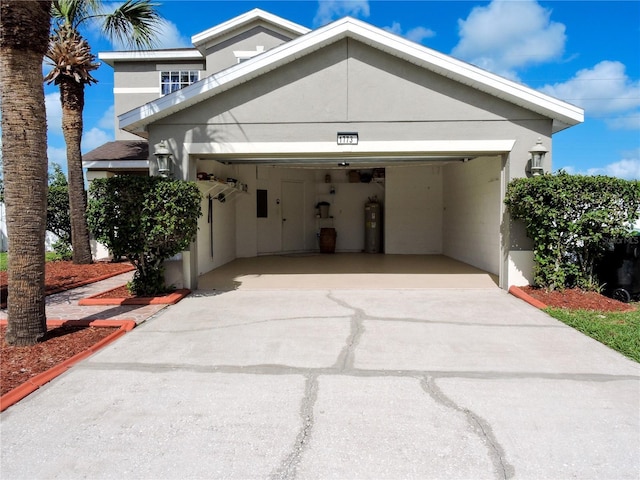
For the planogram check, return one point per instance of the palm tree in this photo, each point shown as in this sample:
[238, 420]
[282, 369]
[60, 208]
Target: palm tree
[135, 23]
[24, 34]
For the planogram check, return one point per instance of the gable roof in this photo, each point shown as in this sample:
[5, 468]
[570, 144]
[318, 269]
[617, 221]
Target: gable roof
[563, 114]
[220, 32]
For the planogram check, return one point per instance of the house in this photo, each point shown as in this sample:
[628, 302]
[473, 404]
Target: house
[274, 118]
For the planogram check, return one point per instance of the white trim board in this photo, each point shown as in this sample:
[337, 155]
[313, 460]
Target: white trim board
[113, 164]
[155, 90]
[437, 149]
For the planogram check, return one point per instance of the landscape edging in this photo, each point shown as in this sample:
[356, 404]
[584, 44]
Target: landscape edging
[14, 396]
[519, 293]
[170, 299]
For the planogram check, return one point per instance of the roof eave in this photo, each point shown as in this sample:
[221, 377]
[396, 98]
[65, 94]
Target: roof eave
[110, 58]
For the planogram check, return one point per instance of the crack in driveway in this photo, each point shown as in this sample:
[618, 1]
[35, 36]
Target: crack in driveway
[289, 465]
[496, 453]
[346, 357]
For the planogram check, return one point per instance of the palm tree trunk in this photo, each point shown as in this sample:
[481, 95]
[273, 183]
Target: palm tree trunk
[24, 34]
[72, 99]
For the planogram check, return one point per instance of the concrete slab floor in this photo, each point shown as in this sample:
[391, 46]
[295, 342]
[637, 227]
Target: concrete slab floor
[345, 271]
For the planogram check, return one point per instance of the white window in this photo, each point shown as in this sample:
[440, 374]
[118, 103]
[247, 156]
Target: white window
[173, 80]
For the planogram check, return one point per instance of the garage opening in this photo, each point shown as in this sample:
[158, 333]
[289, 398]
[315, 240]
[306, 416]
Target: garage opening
[444, 207]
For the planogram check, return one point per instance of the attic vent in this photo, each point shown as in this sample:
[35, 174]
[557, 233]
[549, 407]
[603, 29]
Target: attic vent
[243, 55]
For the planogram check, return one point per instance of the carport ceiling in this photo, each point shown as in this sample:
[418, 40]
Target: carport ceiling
[339, 162]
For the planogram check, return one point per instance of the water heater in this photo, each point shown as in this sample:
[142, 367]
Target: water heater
[372, 227]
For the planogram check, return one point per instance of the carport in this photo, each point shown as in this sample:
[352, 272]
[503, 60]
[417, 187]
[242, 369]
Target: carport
[271, 137]
[439, 200]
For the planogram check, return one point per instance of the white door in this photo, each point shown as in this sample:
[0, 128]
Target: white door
[292, 216]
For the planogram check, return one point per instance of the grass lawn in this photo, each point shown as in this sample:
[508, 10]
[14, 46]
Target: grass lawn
[49, 256]
[620, 331]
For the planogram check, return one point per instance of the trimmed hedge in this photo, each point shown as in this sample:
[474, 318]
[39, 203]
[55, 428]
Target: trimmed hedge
[145, 219]
[571, 219]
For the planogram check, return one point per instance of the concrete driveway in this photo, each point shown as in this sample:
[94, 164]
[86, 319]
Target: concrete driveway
[337, 384]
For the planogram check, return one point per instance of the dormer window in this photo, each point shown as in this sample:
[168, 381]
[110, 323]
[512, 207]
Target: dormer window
[173, 80]
[244, 55]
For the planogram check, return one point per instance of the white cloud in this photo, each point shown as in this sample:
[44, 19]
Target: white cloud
[90, 140]
[170, 37]
[506, 35]
[602, 90]
[417, 34]
[329, 10]
[94, 138]
[625, 122]
[628, 167]
[54, 113]
[57, 155]
[167, 36]
[106, 122]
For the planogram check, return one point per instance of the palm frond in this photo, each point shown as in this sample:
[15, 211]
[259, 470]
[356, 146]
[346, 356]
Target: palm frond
[73, 12]
[135, 24]
[70, 56]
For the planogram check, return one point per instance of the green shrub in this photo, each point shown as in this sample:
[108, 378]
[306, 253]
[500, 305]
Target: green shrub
[570, 219]
[58, 216]
[146, 220]
[62, 250]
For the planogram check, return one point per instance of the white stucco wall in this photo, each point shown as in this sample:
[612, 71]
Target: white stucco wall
[269, 230]
[520, 266]
[261, 236]
[472, 213]
[224, 222]
[222, 56]
[413, 210]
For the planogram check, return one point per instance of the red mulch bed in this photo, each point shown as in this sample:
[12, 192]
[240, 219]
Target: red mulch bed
[118, 292]
[121, 296]
[19, 364]
[574, 298]
[63, 275]
[123, 292]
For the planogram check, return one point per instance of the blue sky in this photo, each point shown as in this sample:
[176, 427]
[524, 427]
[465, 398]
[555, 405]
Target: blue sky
[584, 52]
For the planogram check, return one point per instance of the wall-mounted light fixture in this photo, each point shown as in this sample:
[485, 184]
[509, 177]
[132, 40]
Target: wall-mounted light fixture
[537, 152]
[163, 159]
